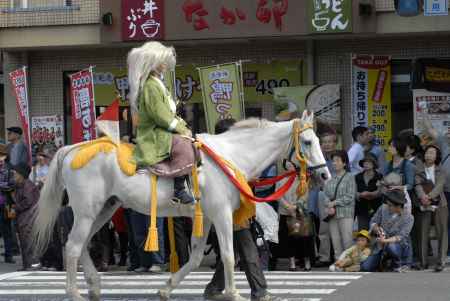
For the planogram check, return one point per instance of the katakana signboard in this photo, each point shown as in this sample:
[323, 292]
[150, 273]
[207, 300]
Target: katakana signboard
[371, 95]
[142, 20]
[330, 16]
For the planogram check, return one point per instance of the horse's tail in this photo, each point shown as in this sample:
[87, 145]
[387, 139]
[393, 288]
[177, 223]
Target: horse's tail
[50, 202]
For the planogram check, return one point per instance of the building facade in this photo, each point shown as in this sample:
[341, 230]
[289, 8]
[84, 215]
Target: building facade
[55, 38]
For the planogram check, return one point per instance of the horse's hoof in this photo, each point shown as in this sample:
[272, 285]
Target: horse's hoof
[164, 295]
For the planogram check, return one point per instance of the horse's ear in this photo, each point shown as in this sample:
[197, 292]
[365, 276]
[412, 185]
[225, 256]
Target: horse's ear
[310, 116]
[305, 115]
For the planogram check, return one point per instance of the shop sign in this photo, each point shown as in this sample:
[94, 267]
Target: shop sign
[371, 95]
[222, 97]
[205, 19]
[142, 20]
[437, 106]
[19, 85]
[47, 130]
[259, 81]
[436, 8]
[83, 106]
[330, 16]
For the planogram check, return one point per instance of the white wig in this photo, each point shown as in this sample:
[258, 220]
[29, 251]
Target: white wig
[144, 60]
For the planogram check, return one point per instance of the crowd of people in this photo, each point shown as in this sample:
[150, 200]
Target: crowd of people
[372, 215]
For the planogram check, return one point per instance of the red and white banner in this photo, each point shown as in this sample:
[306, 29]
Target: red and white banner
[83, 106]
[19, 84]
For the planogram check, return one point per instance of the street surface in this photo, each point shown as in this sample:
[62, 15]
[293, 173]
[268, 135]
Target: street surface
[301, 286]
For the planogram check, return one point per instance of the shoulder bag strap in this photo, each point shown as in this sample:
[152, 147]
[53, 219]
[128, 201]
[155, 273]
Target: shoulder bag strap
[337, 186]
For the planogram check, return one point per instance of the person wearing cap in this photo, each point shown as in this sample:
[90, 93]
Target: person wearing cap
[17, 150]
[6, 184]
[26, 198]
[391, 225]
[367, 198]
[350, 260]
[40, 169]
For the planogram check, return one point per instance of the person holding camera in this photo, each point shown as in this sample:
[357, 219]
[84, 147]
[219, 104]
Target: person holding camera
[430, 181]
[391, 225]
[340, 192]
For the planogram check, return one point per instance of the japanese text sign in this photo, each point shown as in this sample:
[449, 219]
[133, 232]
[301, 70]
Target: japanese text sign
[371, 95]
[83, 106]
[330, 16]
[19, 85]
[221, 87]
[142, 20]
[436, 8]
[203, 19]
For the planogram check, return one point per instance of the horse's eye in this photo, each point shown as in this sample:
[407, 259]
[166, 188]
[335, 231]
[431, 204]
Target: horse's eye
[307, 143]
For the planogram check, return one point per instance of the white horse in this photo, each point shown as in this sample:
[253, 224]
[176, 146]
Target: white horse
[251, 145]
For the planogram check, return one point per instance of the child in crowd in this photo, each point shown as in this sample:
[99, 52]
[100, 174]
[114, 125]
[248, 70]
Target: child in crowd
[351, 259]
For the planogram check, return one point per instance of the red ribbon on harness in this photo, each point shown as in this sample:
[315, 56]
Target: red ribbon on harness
[291, 175]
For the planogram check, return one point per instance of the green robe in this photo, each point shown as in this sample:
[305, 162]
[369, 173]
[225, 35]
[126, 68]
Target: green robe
[157, 123]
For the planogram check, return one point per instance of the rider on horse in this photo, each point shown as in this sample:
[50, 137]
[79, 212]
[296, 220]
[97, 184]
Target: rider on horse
[151, 102]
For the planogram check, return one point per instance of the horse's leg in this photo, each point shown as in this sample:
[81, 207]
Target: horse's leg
[224, 230]
[197, 254]
[90, 272]
[77, 239]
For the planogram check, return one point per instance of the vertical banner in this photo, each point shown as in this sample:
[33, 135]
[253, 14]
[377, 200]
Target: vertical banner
[47, 130]
[19, 84]
[222, 93]
[437, 106]
[371, 95]
[83, 106]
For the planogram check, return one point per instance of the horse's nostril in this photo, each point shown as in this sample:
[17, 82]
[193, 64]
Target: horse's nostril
[324, 176]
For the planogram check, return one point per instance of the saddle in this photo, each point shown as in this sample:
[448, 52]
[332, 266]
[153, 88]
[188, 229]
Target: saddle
[181, 161]
[183, 156]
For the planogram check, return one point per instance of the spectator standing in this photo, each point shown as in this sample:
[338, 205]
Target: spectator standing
[40, 169]
[361, 138]
[367, 198]
[442, 142]
[26, 196]
[17, 150]
[328, 144]
[430, 190]
[6, 186]
[341, 192]
[120, 226]
[391, 224]
[376, 150]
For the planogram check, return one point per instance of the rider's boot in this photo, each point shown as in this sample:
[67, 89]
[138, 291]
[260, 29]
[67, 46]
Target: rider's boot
[180, 193]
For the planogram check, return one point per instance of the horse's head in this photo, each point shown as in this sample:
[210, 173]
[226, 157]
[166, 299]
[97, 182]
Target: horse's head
[309, 147]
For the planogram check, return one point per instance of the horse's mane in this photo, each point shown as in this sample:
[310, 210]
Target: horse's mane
[252, 123]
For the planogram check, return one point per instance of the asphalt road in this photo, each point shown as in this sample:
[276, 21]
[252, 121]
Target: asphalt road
[312, 286]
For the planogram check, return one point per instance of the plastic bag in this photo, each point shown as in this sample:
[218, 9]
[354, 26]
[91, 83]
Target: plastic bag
[269, 221]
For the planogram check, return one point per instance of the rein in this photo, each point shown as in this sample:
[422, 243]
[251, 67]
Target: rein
[302, 172]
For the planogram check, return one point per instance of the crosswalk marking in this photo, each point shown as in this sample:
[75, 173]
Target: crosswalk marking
[298, 286]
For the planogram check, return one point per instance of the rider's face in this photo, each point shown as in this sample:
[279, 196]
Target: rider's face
[161, 69]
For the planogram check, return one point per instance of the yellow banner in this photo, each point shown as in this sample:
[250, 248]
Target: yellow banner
[371, 95]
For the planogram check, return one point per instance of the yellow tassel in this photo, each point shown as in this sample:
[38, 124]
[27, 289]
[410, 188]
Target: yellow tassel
[174, 261]
[151, 245]
[198, 217]
[198, 221]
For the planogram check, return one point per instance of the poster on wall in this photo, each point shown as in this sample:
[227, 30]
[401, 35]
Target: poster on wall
[371, 95]
[19, 85]
[222, 93]
[83, 106]
[47, 130]
[437, 106]
[330, 16]
[142, 20]
[323, 100]
[259, 81]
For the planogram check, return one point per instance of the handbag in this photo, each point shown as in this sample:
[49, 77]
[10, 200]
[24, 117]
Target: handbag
[330, 216]
[10, 212]
[300, 225]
